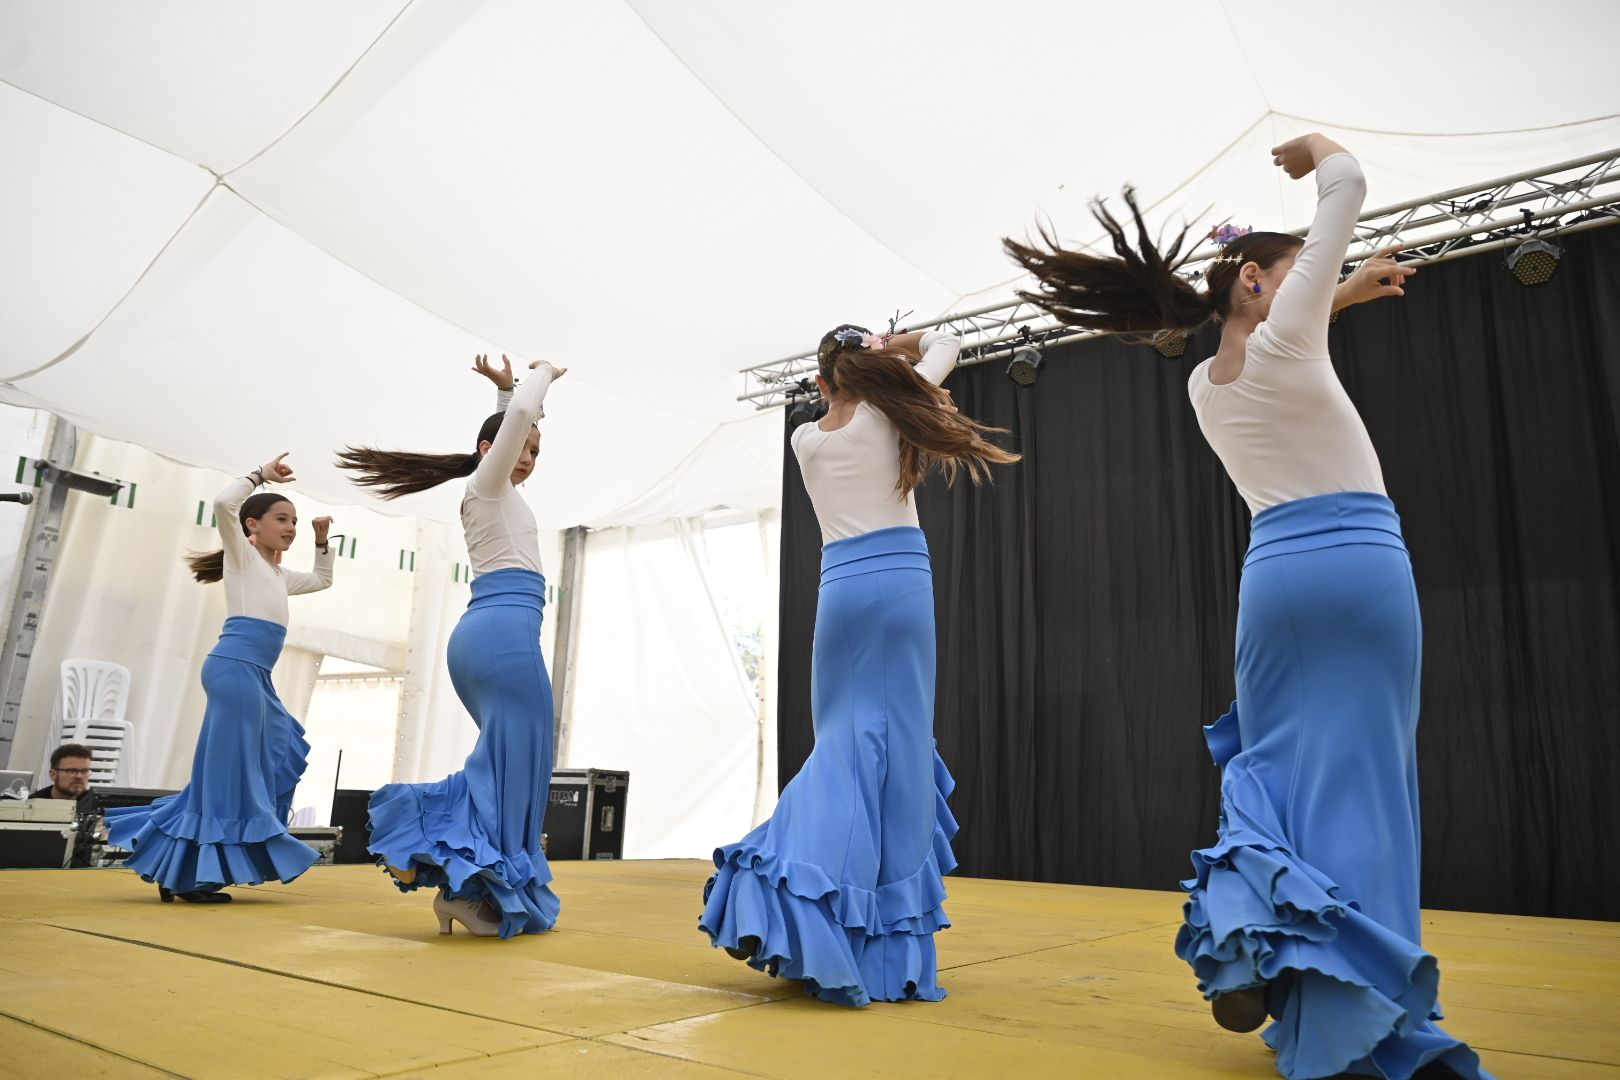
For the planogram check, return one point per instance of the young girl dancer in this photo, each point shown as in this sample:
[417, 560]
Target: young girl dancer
[1306, 908]
[475, 835]
[841, 887]
[228, 825]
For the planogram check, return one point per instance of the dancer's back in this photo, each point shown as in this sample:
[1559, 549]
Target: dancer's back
[852, 471]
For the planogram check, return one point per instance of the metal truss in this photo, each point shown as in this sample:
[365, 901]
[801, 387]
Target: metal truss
[1554, 200]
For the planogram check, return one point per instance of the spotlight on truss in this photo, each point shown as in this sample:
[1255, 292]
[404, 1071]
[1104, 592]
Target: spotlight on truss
[1533, 262]
[804, 404]
[1170, 344]
[1025, 366]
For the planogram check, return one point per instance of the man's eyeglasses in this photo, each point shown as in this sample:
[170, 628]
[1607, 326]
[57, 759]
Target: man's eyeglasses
[73, 772]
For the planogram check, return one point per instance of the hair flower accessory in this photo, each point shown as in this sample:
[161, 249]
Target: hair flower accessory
[1226, 233]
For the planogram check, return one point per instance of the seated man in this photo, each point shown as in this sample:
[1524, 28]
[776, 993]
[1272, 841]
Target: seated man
[70, 779]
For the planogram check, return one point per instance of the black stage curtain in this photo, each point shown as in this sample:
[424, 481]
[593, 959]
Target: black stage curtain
[1087, 600]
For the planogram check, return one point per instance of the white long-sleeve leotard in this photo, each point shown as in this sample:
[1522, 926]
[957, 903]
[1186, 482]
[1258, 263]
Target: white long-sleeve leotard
[853, 473]
[254, 586]
[500, 527]
[1285, 429]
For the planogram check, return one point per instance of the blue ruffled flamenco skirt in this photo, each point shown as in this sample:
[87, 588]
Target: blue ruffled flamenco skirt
[843, 885]
[476, 833]
[228, 825]
[1311, 889]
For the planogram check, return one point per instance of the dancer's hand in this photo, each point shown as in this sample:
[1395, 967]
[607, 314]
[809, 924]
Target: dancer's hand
[946, 400]
[556, 372]
[501, 377]
[1378, 276]
[322, 526]
[1299, 157]
[276, 471]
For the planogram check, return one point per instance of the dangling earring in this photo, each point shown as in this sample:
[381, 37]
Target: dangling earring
[1257, 288]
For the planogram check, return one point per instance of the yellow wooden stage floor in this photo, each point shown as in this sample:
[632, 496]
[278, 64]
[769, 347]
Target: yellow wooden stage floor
[340, 975]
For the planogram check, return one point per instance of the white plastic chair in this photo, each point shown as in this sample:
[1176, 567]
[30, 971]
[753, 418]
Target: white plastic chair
[91, 701]
[110, 743]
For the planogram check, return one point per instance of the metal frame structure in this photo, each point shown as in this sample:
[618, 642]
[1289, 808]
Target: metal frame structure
[1554, 200]
[36, 562]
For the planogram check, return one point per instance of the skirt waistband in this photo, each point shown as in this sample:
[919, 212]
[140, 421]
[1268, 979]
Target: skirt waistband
[1323, 521]
[253, 641]
[901, 548]
[509, 588]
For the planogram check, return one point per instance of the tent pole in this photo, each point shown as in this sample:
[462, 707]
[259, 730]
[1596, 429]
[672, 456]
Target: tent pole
[33, 578]
[567, 640]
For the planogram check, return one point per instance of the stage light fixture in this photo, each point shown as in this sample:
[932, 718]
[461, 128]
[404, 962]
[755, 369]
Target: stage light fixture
[92, 483]
[1533, 262]
[804, 404]
[1170, 344]
[1025, 366]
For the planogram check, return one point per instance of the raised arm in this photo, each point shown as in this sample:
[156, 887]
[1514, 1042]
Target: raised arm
[494, 474]
[227, 507]
[1297, 324]
[935, 350]
[300, 582]
[939, 350]
[501, 377]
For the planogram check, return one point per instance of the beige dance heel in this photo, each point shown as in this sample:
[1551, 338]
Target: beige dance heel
[468, 913]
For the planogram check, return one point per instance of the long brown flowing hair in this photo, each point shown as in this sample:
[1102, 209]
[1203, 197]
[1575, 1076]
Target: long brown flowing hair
[1137, 290]
[404, 472]
[931, 435]
[209, 566]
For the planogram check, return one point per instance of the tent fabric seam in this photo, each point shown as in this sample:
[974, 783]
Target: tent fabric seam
[762, 141]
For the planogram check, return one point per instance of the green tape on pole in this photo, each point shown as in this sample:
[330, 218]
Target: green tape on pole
[22, 464]
[199, 511]
[131, 495]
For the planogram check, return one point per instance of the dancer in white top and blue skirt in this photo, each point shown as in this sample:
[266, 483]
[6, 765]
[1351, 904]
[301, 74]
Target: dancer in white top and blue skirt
[475, 835]
[842, 887]
[228, 825]
[1306, 907]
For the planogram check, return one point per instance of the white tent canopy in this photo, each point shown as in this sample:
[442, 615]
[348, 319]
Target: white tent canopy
[232, 228]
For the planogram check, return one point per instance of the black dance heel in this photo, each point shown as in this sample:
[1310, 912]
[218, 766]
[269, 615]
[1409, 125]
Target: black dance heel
[745, 948]
[168, 895]
[1240, 1010]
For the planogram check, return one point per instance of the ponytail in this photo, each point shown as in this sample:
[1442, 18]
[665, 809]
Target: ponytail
[400, 472]
[206, 566]
[931, 435]
[1138, 289]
